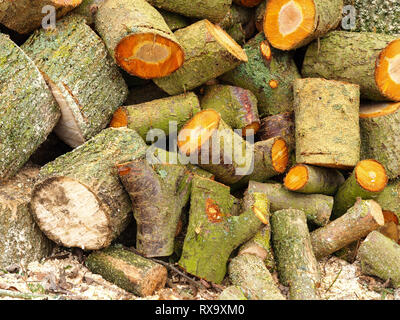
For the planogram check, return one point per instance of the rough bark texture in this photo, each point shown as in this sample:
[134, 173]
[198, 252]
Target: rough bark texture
[86, 82]
[88, 9]
[317, 207]
[296, 263]
[361, 219]
[127, 270]
[174, 21]
[256, 75]
[349, 57]
[380, 256]
[213, 10]
[158, 195]
[215, 230]
[92, 167]
[28, 111]
[21, 240]
[389, 198]
[205, 59]
[232, 293]
[248, 272]
[327, 123]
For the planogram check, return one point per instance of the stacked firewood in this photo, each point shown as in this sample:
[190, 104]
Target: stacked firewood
[283, 137]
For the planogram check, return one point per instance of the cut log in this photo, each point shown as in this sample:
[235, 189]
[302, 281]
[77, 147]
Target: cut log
[24, 16]
[389, 198]
[158, 195]
[128, 270]
[157, 114]
[370, 60]
[232, 293]
[86, 83]
[296, 263]
[361, 219]
[380, 256]
[28, 111]
[367, 181]
[317, 207]
[310, 179]
[226, 155]
[237, 107]
[327, 123]
[174, 20]
[209, 53]
[88, 9]
[293, 24]
[248, 272]
[213, 10]
[269, 74]
[78, 200]
[380, 135]
[21, 240]
[215, 230]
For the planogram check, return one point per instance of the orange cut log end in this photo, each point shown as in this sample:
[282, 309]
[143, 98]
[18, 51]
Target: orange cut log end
[120, 119]
[265, 49]
[280, 155]
[371, 175]
[375, 110]
[296, 178]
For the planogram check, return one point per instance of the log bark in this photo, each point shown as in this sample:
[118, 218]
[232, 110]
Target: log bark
[174, 20]
[86, 83]
[28, 111]
[380, 256]
[359, 58]
[128, 270]
[232, 293]
[297, 265]
[292, 25]
[78, 200]
[327, 123]
[157, 114]
[24, 16]
[317, 207]
[269, 76]
[389, 198]
[138, 38]
[361, 219]
[88, 9]
[209, 53]
[215, 229]
[259, 15]
[21, 240]
[158, 194]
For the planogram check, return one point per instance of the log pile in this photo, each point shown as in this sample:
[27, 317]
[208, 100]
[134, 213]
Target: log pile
[243, 140]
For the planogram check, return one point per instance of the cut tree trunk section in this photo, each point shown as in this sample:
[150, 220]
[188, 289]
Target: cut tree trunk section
[389, 198]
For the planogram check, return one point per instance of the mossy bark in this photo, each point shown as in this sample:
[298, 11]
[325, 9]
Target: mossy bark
[389, 198]
[349, 57]
[296, 263]
[232, 293]
[128, 270]
[327, 123]
[317, 207]
[28, 111]
[174, 20]
[205, 59]
[88, 9]
[380, 256]
[215, 230]
[21, 240]
[84, 79]
[213, 10]
[158, 195]
[257, 74]
[248, 272]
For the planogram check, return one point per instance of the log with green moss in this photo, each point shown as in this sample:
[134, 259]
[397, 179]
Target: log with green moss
[78, 200]
[128, 270]
[209, 53]
[213, 10]
[311, 179]
[367, 181]
[327, 123]
[232, 293]
[237, 106]
[174, 20]
[157, 114]
[317, 207]
[361, 219]
[367, 59]
[28, 111]
[269, 74]
[88, 9]
[380, 257]
[85, 81]
[21, 240]
[158, 194]
[389, 198]
[296, 262]
[248, 272]
[215, 228]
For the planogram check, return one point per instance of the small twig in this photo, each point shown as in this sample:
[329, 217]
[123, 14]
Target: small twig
[337, 276]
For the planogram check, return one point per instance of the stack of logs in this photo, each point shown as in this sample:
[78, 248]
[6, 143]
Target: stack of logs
[292, 122]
